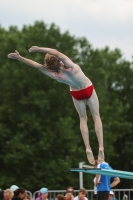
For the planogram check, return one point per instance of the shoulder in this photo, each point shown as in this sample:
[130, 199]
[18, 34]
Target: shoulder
[75, 69]
[104, 165]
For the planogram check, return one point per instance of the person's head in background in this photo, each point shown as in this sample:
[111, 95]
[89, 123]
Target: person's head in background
[69, 193]
[44, 193]
[59, 197]
[69, 196]
[82, 193]
[111, 195]
[70, 189]
[20, 193]
[8, 194]
[27, 196]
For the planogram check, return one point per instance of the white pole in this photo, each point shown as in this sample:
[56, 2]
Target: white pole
[81, 175]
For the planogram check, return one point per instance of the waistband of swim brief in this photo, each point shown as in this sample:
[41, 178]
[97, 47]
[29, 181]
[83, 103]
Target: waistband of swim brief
[83, 88]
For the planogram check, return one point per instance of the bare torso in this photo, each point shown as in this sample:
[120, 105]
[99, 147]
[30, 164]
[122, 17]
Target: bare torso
[74, 77]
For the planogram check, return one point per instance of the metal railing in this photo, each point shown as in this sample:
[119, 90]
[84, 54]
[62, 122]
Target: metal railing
[120, 194]
[29, 193]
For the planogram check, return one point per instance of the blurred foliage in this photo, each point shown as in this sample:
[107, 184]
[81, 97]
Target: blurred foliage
[40, 136]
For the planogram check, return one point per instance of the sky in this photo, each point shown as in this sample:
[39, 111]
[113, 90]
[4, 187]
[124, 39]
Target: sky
[102, 22]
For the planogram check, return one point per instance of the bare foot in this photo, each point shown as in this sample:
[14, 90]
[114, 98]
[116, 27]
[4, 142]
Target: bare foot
[101, 156]
[90, 157]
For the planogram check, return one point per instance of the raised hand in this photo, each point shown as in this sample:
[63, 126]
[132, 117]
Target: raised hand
[34, 49]
[15, 55]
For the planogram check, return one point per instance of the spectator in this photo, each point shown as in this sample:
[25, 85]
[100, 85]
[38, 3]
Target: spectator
[111, 195]
[81, 195]
[69, 196]
[19, 194]
[14, 187]
[59, 197]
[103, 182]
[43, 194]
[69, 192]
[6, 195]
[27, 196]
[70, 189]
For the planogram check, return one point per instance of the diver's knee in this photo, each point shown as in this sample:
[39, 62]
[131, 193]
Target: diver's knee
[96, 117]
[83, 118]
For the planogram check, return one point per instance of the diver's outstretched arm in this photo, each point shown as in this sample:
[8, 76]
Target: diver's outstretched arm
[67, 61]
[29, 62]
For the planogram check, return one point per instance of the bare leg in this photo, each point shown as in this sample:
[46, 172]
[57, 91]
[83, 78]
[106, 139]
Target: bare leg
[93, 104]
[81, 109]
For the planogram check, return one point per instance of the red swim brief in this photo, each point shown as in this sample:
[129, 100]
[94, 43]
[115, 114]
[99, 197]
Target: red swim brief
[82, 94]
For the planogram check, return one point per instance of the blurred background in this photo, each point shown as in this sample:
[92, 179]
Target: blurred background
[39, 127]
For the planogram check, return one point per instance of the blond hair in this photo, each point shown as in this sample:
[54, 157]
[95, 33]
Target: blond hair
[9, 193]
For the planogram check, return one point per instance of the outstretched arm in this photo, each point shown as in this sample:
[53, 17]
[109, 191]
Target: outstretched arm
[67, 62]
[31, 63]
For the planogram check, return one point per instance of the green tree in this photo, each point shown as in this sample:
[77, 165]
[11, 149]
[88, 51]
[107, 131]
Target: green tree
[40, 136]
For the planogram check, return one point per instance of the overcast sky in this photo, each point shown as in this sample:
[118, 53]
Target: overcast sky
[102, 22]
